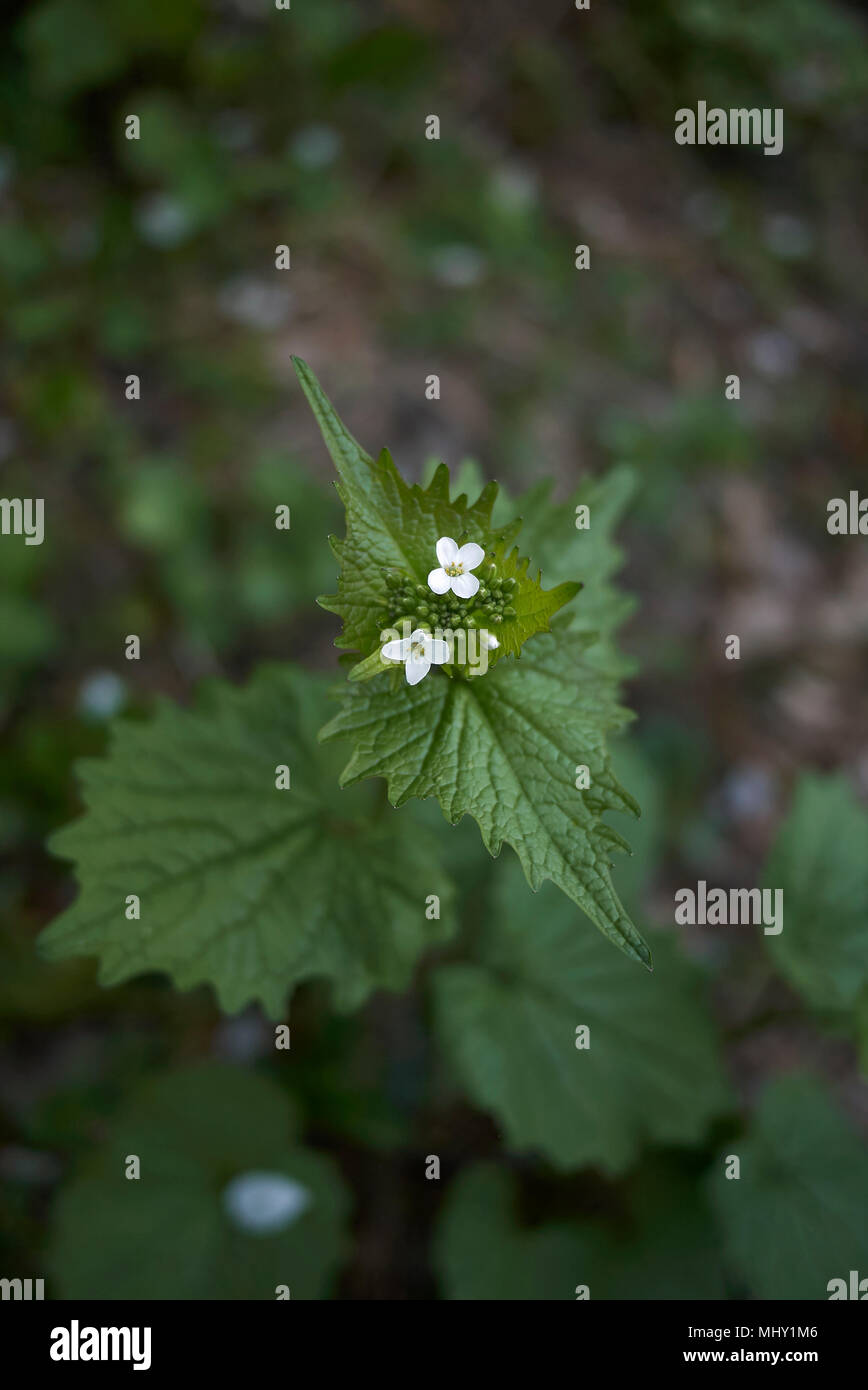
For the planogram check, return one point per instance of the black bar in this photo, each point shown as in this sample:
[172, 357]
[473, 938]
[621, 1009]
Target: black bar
[229, 1338]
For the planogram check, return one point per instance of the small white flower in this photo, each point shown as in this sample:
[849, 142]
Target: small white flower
[418, 652]
[454, 566]
[490, 642]
[262, 1203]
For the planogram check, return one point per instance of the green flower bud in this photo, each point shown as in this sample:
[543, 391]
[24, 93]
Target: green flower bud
[483, 592]
[509, 612]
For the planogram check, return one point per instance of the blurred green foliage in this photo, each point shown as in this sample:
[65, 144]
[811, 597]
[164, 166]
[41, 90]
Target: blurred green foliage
[511, 1017]
[168, 1232]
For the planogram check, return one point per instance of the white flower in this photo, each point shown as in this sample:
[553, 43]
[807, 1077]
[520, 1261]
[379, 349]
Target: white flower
[418, 652]
[490, 642]
[454, 566]
[262, 1203]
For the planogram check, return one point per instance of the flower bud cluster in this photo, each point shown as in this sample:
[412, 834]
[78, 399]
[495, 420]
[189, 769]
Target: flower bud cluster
[421, 607]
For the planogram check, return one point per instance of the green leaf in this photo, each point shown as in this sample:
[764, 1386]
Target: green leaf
[534, 606]
[549, 534]
[508, 1022]
[169, 1234]
[373, 665]
[247, 887]
[668, 1248]
[481, 1252]
[504, 748]
[820, 862]
[634, 769]
[392, 525]
[797, 1216]
[664, 1246]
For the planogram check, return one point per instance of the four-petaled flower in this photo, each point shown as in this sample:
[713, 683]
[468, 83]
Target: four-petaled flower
[455, 564]
[418, 652]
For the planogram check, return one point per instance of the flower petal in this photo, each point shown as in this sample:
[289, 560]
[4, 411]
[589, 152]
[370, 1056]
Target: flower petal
[416, 669]
[470, 555]
[465, 585]
[491, 642]
[398, 650]
[447, 550]
[437, 651]
[439, 581]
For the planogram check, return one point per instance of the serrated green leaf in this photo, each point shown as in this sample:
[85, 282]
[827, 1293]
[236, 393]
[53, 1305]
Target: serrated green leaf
[501, 748]
[504, 749]
[534, 606]
[796, 1217]
[508, 1021]
[244, 886]
[820, 862]
[168, 1234]
[481, 1251]
[636, 771]
[565, 553]
[394, 525]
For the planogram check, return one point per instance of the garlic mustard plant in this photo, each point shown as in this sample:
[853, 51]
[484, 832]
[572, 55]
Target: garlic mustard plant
[496, 706]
